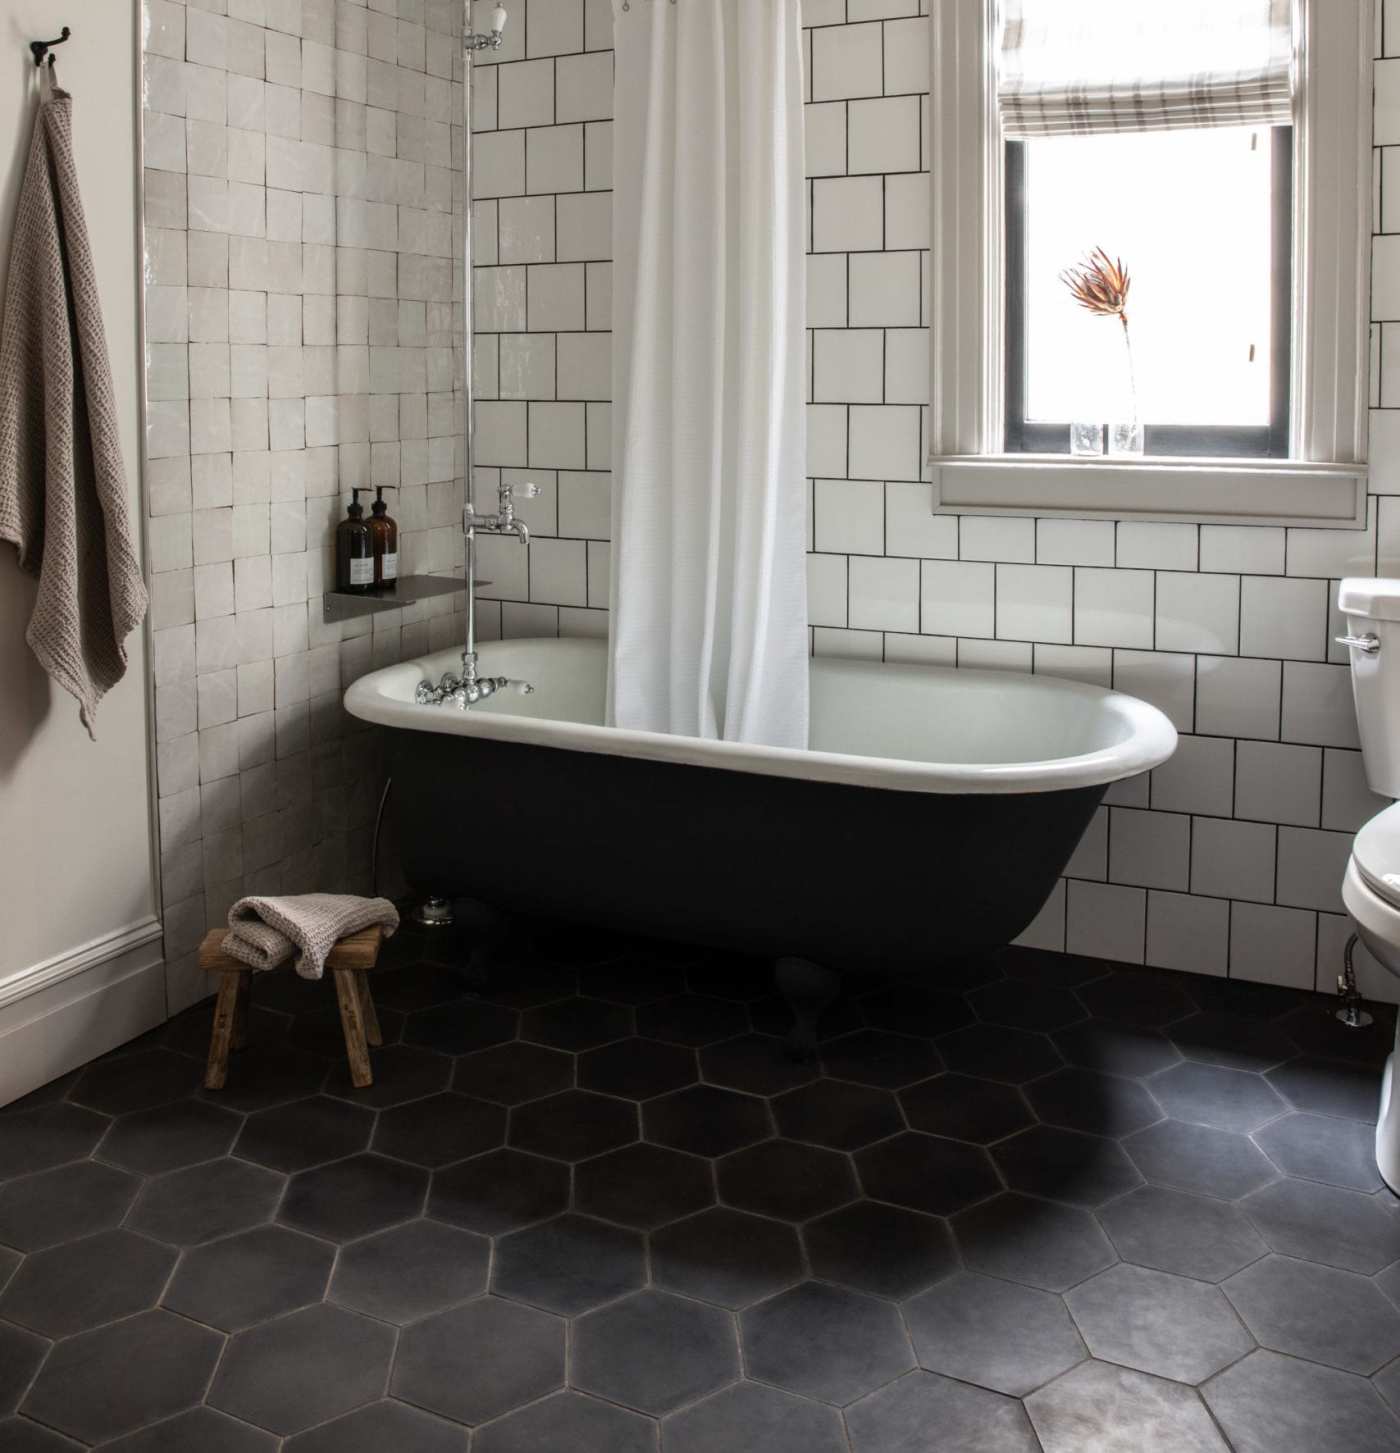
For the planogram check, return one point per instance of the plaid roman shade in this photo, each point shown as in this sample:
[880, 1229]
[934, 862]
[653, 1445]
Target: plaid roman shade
[1074, 67]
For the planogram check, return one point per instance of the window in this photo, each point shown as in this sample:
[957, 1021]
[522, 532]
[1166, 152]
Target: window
[1221, 149]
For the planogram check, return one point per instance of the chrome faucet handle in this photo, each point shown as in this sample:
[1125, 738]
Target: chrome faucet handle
[1368, 644]
[526, 489]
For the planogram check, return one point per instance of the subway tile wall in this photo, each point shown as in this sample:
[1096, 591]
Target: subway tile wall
[302, 161]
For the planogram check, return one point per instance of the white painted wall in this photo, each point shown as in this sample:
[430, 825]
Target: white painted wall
[76, 837]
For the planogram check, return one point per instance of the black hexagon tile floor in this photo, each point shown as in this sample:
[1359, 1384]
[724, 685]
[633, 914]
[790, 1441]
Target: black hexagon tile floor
[1040, 1205]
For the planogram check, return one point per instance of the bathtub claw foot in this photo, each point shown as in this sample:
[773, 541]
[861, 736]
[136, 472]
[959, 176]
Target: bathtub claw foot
[810, 990]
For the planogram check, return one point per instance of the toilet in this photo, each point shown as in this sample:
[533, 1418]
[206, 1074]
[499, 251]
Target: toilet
[1371, 887]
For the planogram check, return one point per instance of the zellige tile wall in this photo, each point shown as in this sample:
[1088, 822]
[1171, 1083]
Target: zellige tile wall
[302, 261]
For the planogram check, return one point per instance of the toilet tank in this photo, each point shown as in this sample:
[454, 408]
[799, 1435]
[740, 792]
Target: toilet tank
[1372, 611]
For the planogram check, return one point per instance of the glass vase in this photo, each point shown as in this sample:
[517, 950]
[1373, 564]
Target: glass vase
[1085, 439]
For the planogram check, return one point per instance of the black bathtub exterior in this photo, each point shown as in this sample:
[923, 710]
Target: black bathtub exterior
[850, 877]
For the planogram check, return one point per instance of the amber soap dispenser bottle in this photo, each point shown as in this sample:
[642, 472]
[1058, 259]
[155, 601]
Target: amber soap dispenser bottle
[354, 550]
[384, 534]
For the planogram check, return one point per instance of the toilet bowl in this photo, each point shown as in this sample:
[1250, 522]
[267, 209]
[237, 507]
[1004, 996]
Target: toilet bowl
[1371, 884]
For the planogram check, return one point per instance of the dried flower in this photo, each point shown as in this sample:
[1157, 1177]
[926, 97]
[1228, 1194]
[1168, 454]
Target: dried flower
[1100, 284]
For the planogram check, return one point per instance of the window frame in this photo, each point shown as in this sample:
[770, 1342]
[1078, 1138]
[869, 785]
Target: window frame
[1322, 482]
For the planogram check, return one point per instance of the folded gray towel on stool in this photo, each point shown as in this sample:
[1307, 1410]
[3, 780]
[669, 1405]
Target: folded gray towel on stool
[264, 932]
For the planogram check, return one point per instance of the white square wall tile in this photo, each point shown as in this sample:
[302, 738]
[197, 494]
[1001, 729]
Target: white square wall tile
[1034, 602]
[885, 290]
[1090, 856]
[1149, 849]
[1311, 866]
[1284, 617]
[1148, 545]
[884, 594]
[1198, 612]
[826, 590]
[1238, 697]
[847, 215]
[884, 442]
[847, 60]
[1166, 680]
[1198, 777]
[1347, 799]
[911, 527]
[1270, 945]
[1090, 664]
[1243, 549]
[1074, 542]
[957, 598]
[1232, 859]
[884, 135]
[1317, 705]
[979, 655]
[996, 537]
[848, 516]
[1277, 782]
[848, 365]
[1113, 607]
[1106, 921]
[1188, 933]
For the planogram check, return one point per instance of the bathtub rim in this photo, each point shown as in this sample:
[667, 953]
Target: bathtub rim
[1150, 741]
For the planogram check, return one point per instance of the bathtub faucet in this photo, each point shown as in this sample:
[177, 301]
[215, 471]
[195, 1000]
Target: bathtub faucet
[471, 687]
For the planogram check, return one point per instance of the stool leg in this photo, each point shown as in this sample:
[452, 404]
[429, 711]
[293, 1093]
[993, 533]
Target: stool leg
[373, 1033]
[225, 1012]
[245, 998]
[352, 1022]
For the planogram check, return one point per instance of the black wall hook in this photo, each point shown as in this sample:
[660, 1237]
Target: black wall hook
[41, 48]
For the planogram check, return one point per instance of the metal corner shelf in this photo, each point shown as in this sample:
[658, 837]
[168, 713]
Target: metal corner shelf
[344, 605]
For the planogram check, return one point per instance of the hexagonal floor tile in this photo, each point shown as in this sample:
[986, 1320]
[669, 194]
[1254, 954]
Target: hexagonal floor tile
[352, 1198]
[1316, 1032]
[1032, 1242]
[967, 1418]
[747, 1416]
[880, 1249]
[1064, 1165]
[499, 1192]
[706, 1120]
[876, 1057]
[1097, 1403]
[637, 1069]
[19, 1435]
[383, 1427]
[569, 1420]
[692, 1019]
[63, 1204]
[401, 1073]
[912, 1009]
[825, 1342]
[1079, 1099]
[755, 1064]
[1330, 1087]
[516, 1356]
[511, 1074]
[1321, 1148]
[1189, 1235]
[461, 1027]
[1117, 1049]
[21, 1353]
[1234, 1041]
[199, 1428]
[107, 1382]
[1026, 1004]
[169, 1137]
[573, 1125]
[82, 1285]
[1268, 1403]
[264, 1075]
[838, 1114]
[128, 1082]
[1223, 1099]
[576, 1024]
[1155, 1322]
[410, 1271]
[303, 1369]
[927, 1173]
[440, 1130]
[1324, 1224]
[50, 1135]
[305, 1133]
[654, 1352]
[643, 1186]
[9, 1264]
[1008, 1338]
[989, 1052]
[958, 1107]
[206, 1201]
[726, 1257]
[1138, 996]
[252, 1277]
[787, 1181]
[569, 1265]
[1317, 1312]
[1196, 1158]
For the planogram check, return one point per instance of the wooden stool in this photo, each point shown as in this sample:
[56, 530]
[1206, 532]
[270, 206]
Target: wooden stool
[349, 963]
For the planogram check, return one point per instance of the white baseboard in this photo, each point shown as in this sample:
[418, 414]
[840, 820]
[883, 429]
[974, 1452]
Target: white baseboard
[57, 1015]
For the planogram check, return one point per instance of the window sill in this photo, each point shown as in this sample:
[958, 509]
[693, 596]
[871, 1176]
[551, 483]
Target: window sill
[1214, 491]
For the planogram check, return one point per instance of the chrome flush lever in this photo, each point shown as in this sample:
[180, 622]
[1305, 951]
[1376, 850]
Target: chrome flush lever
[1368, 645]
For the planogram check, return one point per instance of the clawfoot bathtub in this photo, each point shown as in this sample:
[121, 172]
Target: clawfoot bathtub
[931, 817]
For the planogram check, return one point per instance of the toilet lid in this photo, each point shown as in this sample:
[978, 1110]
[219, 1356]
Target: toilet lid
[1376, 851]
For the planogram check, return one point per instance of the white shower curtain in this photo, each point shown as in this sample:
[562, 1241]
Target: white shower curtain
[709, 600]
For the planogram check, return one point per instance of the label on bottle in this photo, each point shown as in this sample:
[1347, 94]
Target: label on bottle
[390, 569]
[362, 571]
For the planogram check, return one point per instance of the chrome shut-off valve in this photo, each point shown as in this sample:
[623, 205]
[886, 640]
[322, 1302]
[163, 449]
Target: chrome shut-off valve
[467, 689]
